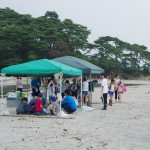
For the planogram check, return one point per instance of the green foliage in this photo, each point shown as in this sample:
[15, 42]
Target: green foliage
[24, 38]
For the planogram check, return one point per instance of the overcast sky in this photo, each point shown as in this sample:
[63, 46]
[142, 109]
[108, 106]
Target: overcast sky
[128, 20]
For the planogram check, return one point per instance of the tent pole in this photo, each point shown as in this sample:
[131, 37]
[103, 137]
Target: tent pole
[90, 89]
[81, 93]
[2, 92]
[60, 91]
[27, 88]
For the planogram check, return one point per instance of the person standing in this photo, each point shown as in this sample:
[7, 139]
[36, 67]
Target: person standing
[111, 91]
[117, 81]
[120, 91]
[65, 86]
[74, 88]
[43, 87]
[50, 88]
[35, 84]
[19, 85]
[104, 90]
[85, 89]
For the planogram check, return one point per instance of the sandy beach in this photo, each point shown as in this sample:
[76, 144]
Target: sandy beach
[124, 126]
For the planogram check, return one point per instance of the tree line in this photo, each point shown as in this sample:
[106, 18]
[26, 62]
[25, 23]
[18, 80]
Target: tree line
[24, 38]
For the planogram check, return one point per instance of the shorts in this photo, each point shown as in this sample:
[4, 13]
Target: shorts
[110, 93]
[85, 92]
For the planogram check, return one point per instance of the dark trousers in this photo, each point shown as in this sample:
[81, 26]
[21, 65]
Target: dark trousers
[105, 99]
[116, 94]
[62, 94]
[74, 94]
[34, 92]
[19, 89]
[67, 109]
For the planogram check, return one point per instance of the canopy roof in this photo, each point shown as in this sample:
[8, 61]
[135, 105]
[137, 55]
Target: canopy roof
[40, 67]
[85, 66]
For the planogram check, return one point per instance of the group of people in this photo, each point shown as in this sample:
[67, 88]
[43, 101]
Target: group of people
[45, 90]
[44, 93]
[38, 104]
[115, 88]
[75, 89]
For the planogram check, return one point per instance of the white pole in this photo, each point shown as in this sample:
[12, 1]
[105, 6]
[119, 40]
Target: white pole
[27, 88]
[2, 92]
[60, 91]
[81, 93]
[90, 91]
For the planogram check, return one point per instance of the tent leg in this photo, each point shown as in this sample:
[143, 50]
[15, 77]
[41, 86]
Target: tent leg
[90, 93]
[2, 93]
[60, 92]
[27, 88]
[81, 93]
[2, 99]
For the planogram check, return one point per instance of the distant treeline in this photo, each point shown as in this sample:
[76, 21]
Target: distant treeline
[24, 38]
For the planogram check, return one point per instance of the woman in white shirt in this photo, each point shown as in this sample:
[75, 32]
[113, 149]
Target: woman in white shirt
[19, 85]
[104, 90]
[85, 88]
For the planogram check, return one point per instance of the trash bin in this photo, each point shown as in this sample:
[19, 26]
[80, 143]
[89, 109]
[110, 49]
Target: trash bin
[12, 99]
[12, 102]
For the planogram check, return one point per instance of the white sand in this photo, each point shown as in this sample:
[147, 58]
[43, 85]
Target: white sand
[124, 126]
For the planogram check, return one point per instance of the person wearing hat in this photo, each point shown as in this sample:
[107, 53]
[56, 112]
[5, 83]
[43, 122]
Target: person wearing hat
[54, 106]
[38, 105]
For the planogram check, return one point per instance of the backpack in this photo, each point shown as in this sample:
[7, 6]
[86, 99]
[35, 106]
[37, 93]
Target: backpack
[124, 88]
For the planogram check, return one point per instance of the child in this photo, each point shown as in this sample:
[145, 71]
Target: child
[85, 90]
[38, 105]
[54, 106]
[111, 91]
[120, 91]
[21, 109]
[30, 108]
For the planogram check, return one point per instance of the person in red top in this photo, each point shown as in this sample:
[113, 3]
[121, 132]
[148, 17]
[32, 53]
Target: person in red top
[38, 105]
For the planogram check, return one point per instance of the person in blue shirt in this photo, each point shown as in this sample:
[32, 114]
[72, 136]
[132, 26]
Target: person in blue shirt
[35, 84]
[68, 103]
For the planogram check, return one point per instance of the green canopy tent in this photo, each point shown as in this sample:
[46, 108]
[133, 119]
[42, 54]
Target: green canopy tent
[86, 67]
[43, 67]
